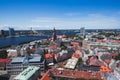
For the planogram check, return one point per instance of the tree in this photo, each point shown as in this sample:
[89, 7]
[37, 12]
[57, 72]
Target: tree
[79, 61]
[117, 57]
[3, 54]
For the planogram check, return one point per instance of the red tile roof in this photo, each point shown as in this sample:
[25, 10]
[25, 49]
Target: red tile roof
[114, 55]
[101, 41]
[115, 41]
[46, 76]
[4, 60]
[75, 55]
[95, 62]
[48, 56]
[75, 43]
[53, 46]
[73, 74]
[105, 69]
[107, 61]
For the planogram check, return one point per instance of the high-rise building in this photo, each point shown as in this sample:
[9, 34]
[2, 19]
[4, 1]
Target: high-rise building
[82, 31]
[2, 33]
[11, 32]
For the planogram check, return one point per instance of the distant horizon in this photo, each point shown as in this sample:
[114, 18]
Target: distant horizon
[61, 29]
[62, 14]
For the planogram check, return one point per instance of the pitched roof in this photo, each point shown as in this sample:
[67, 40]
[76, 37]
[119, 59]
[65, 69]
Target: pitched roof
[48, 56]
[72, 74]
[4, 60]
[27, 73]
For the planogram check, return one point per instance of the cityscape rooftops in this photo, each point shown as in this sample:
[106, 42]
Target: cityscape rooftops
[67, 54]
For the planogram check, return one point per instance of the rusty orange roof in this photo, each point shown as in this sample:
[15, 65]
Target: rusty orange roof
[105, 69]
[46, 76]
[48, 56]
[73, 74]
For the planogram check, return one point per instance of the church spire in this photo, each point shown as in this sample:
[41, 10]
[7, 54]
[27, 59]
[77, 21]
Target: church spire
[54, 34]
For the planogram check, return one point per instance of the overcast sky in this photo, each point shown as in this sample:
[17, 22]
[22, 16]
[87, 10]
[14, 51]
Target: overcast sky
[61, 14]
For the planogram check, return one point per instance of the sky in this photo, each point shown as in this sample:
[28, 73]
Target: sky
[61, 14]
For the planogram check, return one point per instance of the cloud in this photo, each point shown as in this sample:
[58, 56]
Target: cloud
[25, 27]
[89, 21]
[103, 21]
[16, 27]
[4, 26]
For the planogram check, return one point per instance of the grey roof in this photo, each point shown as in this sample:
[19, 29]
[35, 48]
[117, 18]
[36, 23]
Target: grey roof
[35, 59]
[117, 70]
[18, 60]
[106, 56]
[111, 77]
[38, 51]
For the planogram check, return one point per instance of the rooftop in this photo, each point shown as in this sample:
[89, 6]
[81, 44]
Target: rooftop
[27, 73]
[73, 74]
[35, 59]
[4, 60]
[18, 60]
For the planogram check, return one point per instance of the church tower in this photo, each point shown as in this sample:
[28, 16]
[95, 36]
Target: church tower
[54, 37]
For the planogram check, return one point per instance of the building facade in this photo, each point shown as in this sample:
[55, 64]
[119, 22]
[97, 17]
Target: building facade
[11, 32]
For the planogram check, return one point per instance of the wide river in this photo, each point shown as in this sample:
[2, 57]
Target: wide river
[17, 40]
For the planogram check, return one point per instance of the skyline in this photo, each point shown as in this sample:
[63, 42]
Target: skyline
[61, 14]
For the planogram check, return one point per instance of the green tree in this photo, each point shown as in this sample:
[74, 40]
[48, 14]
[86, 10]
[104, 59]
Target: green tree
[79, 61]
[117, 57]
[3, 54]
